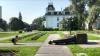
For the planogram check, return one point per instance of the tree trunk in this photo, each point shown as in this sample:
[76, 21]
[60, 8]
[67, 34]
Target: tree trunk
[90, 27]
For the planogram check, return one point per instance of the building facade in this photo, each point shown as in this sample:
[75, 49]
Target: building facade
[54, 17]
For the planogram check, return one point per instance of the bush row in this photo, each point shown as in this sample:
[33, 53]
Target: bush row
[49, 29]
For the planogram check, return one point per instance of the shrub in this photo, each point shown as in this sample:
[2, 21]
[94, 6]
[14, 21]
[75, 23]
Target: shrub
[49, 29]
[20, 31]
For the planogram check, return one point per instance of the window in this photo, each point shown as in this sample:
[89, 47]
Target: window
[57, 24]
[57, 18]
[55, 13]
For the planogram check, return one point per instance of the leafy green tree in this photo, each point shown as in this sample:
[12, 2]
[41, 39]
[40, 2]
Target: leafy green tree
[94, 11]
[3, 24]
[16, 24]
[78, 8]
[69, 24]
[38, 23]
[93, 15]
[26, 25]
[63, 24]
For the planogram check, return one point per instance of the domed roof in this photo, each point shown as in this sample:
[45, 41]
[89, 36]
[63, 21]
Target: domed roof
[50, 7]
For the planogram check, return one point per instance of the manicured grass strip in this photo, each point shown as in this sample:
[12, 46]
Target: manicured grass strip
[21, 51]
[43, 38]
[24, 36]
[89, 51]
[2, 35]
[93, 37]
[28, 38]
[61, 34]
[37, 37]
[89, 36]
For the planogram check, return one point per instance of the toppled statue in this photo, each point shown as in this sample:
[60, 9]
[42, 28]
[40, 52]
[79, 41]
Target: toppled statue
[76, 39]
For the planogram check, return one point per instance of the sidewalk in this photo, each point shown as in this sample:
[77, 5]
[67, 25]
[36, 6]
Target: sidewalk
[53, 50]
[20, 44]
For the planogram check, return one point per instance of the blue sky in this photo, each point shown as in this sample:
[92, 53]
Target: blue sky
[30, 9]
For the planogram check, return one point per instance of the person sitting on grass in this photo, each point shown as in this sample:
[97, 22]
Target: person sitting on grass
[14, 40]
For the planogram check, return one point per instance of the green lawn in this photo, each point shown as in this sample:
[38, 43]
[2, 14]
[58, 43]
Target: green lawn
[93, 37]
[39, 39]
[21, 40]
[20, 51]
[89, 36]
[43, 38]
[2, 35]
[28, 38]
[89, 51]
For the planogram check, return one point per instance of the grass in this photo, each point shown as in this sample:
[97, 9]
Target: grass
[2, 35]
[23, 38]
[89, 51]
[93, 37]
[43, 38]
[61, 34]
[20, 51]
[40, 39]
[28, 38]
[73, 32]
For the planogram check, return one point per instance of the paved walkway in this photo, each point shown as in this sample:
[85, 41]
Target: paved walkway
[53, 50]
[19, 44]
[14, 36]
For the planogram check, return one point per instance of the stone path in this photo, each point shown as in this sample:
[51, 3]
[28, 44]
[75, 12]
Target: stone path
[53, 50]
[14, 36]
[19, 44]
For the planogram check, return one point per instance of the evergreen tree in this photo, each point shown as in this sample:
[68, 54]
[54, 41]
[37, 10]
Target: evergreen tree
[20, 16]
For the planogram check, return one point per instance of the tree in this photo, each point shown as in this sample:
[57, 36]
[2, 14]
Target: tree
[3, 24]
[38, 23]
[63, 24]
[94, 11]
[69, 24]
[20, 16]
[78, 8]
[93, 15]
[16, 24]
